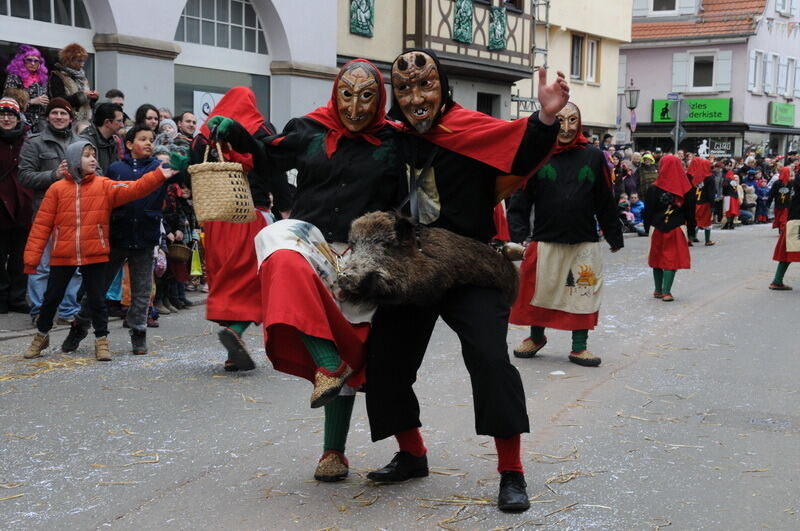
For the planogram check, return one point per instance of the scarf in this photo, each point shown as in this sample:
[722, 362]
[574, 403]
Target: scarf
[699, 170]
[79, 76]
[671, 177]
[11, 135]
[329, 115]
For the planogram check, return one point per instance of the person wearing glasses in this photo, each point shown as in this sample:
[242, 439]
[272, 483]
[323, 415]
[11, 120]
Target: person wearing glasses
[27, 71]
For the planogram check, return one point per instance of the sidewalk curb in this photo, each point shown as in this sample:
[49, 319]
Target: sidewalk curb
[16, 334]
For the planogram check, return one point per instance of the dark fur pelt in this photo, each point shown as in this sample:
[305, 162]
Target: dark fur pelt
[395, 261]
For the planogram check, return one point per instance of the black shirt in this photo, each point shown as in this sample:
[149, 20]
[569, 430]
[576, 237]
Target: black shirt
[466, 187]
[332, 192]
[567, 194]
[666, 211]
[705, 191]
[781, 193]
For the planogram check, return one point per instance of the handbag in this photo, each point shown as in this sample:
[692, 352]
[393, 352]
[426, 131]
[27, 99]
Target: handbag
[196, 268]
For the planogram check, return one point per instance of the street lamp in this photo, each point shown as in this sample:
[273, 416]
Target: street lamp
[631, 97]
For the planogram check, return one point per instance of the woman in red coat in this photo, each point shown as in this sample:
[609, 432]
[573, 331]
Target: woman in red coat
[668, 210]
[231, 266]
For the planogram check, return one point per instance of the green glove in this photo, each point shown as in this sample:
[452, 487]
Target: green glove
[222, 124]
[178, 162]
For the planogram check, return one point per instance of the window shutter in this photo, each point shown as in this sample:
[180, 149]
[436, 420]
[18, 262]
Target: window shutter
[622, 76]
[783, 75]
[794, 8]
[687, 7]
[752, 72]
[797, 81]
[680, 63]
[641, 8]
[769, 73]
[723, 66]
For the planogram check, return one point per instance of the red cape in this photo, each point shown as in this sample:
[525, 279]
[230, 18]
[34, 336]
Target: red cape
[671, 176]
[483, 138]
[699, 170]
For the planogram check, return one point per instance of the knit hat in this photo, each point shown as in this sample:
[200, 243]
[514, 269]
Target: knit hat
[59, 103]
[9, 104]
[647, 157]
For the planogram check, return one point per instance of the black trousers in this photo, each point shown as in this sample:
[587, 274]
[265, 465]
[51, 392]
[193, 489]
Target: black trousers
[13, 282]
[93, 283]
[396, 347]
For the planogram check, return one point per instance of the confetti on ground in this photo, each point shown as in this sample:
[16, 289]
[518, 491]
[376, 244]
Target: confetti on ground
[551, 459]
[18, 437]
[140, 453]
[45, 366]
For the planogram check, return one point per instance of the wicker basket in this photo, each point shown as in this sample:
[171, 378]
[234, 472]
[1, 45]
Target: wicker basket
[220, 191]
[179, 252]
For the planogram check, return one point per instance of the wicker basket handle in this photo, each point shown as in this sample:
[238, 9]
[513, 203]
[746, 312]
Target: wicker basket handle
[219, 151]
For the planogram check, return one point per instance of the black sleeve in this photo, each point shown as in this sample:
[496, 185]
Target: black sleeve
[688, 208]
[55, 87]
[689, 204]
[277, 182]
[606, 210]
[773, 192]
[650, 203]
[535, 146]
[519, 212]
[282, 150]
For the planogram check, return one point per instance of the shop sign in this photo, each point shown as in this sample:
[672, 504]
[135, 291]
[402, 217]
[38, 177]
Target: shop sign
[700, 110]
[720, 147]
[781, 114]
[203, 103]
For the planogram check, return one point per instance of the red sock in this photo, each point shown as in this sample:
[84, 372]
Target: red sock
[508, 454]
[411, 441]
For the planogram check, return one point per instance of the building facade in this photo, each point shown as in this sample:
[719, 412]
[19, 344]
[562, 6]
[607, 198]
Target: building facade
[582, 39]
[732, 63]
[185, 54]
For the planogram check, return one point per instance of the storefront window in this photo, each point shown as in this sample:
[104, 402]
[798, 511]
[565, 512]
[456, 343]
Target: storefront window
[222, 23]
[197, 89]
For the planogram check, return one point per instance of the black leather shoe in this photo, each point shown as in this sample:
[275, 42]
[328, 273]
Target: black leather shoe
[513, 497]
[403, 466]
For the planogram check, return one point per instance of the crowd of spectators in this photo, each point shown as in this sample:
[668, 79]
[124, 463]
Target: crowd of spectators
[751, 182]
[46, 108]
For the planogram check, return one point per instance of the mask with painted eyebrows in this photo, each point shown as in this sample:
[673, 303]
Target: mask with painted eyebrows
[570, 121]
[357, 98]
[417, 89]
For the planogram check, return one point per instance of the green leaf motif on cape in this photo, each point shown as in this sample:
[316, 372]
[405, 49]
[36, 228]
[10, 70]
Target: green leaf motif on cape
[586, 173]
[547, 172]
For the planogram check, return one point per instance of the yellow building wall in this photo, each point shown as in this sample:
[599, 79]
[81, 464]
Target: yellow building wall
[598, 101]
[387, 40]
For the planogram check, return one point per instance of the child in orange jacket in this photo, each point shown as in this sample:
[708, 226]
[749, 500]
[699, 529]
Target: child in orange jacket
[75, 212]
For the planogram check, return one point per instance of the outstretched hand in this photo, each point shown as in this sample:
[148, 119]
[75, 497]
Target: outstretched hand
[552, 97]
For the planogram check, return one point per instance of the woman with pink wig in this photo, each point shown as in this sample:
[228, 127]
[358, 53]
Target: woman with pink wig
[28, 72]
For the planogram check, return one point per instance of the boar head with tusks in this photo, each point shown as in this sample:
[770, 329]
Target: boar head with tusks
[396, 261]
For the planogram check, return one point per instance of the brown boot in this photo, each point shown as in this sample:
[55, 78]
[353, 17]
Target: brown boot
[585, 358]
[40, 342]
[101, 351]
[327, 384]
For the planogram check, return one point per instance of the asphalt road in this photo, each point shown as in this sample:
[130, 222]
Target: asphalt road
[691, 422]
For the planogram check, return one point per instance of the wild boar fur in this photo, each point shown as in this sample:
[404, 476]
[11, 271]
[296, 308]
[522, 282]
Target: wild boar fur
[395, 261]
